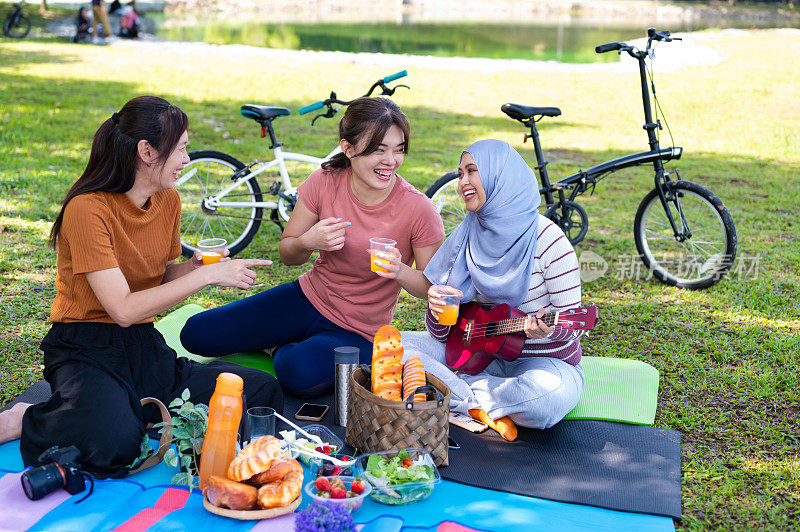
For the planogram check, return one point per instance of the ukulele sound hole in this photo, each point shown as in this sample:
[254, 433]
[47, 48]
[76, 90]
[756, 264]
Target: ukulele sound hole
[491, 329]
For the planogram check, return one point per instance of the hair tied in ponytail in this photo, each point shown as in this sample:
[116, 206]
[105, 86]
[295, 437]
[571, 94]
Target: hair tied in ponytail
[115, 118]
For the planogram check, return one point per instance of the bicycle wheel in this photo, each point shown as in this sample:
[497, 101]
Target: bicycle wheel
[697, 261]
[16, 27]
[574, 223]
[199, 220]
[445, 196]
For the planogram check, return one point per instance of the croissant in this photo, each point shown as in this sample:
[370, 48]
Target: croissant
[254, 458]
[278, 469]
[281, 492]
[387, 363]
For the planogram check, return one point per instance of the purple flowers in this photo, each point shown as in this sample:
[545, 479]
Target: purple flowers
[324, 517]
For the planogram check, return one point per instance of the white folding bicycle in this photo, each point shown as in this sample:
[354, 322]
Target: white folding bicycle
[221, 196]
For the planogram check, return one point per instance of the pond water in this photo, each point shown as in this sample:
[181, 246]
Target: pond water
[569, 43]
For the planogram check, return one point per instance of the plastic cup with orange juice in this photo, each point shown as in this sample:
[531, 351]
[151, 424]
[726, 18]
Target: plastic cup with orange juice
[376, 245]
[211, 249]
[452, 300]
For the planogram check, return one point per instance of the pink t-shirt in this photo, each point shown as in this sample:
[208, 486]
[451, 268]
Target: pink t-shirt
[340, 285]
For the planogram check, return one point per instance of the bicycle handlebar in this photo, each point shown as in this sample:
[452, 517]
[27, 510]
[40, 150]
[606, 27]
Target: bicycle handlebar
[312, 107]
[398, 75]
[385, 91]
[603, 48]
[652, 35]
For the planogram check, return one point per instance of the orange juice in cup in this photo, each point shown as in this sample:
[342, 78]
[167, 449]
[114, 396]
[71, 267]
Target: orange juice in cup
[451, 298]
[449, 315]
[211, 249]
[376, 245]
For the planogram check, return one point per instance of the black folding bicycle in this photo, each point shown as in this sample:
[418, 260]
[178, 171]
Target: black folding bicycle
[683, 232]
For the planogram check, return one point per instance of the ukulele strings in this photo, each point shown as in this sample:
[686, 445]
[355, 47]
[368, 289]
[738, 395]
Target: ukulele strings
[511, 325]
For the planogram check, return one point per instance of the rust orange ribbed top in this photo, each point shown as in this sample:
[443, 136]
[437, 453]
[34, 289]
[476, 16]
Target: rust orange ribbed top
[103, 230]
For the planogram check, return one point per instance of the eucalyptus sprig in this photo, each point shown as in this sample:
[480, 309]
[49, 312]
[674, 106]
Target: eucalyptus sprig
[188, 428]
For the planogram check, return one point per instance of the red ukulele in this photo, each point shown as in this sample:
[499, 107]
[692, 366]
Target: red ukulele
[482, 335]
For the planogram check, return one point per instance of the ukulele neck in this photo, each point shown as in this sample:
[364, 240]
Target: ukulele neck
[512, 325]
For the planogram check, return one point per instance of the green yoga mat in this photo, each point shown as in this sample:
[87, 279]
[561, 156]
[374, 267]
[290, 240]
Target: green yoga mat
[170, 327]
[617, 389]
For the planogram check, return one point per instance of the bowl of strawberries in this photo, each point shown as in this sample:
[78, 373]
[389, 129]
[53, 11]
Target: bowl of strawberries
[347, 491]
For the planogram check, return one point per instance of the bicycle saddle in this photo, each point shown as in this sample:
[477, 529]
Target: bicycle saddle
[524, 112]
[262, 112]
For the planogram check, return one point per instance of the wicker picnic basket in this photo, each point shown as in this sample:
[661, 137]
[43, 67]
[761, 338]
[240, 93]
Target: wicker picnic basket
[375, 424]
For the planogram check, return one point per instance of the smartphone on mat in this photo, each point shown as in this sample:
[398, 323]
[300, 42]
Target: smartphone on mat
[311, 412]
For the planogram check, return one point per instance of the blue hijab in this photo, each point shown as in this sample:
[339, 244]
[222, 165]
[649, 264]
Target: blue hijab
[492, 251]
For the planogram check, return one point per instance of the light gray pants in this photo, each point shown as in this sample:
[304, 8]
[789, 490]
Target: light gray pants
[535, 392]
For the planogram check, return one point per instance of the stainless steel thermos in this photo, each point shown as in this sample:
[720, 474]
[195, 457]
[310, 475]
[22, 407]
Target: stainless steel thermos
[345, 361]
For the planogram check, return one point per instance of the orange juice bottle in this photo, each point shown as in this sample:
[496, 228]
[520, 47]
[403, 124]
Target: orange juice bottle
[449, 315]
[224, 415]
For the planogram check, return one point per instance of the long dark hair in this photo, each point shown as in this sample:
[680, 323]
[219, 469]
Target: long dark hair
[114, 156]
[368, 116]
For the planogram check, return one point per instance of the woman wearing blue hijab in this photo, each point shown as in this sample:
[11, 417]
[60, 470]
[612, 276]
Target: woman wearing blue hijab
[506, 252]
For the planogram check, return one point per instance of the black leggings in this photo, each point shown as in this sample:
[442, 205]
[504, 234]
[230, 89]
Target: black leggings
[99, 372]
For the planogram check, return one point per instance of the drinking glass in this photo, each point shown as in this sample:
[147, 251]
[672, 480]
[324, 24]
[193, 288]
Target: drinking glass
[211, 249]
[260, 422]
[375, 245]
[452, 298]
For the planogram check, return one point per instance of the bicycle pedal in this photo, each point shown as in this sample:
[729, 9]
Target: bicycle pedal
[275, 188]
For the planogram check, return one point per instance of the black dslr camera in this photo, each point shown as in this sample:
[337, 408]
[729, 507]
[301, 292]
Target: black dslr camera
[60, 470]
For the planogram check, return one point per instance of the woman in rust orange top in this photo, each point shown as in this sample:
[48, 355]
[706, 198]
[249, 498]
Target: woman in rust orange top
[118, 234]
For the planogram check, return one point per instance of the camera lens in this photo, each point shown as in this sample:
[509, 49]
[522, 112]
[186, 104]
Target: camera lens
[40, 481]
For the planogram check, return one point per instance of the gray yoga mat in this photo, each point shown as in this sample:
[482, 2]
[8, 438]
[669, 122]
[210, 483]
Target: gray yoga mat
[633, 468]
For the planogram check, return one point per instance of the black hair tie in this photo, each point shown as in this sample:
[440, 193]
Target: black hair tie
[115, 118]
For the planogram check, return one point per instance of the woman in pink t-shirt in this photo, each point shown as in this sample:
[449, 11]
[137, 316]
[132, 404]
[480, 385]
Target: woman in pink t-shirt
[355, 196]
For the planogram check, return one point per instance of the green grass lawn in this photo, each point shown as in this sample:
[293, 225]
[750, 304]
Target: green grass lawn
[728, 356]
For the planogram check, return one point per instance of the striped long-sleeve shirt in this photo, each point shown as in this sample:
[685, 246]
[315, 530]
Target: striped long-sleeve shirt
[555, 285]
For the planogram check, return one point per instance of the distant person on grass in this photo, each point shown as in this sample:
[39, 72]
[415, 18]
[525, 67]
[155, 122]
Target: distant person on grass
[100, 17]
[130, 25]
[83, 25]
[118, 234]
[356, 195]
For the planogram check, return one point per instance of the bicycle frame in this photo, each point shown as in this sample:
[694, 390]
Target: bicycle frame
[247, 173]
[580, 181]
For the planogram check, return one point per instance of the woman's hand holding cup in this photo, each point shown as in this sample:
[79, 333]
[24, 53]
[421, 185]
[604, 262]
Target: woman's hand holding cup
[443, 302]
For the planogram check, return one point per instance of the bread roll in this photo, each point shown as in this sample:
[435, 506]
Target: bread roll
[281, 492]
[254, 458]
[387, 363]
[413, 377]
[226, 493]
[278, 469]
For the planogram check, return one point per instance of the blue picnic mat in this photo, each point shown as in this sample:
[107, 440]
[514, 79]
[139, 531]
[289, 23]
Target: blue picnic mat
[148, 498]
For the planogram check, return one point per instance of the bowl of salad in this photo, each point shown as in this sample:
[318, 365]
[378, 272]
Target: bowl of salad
[399, 477]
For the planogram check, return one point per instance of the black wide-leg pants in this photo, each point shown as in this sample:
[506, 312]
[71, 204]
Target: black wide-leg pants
[99, 372]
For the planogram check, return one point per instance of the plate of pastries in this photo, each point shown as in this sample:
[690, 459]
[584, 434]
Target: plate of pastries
[262, 482]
